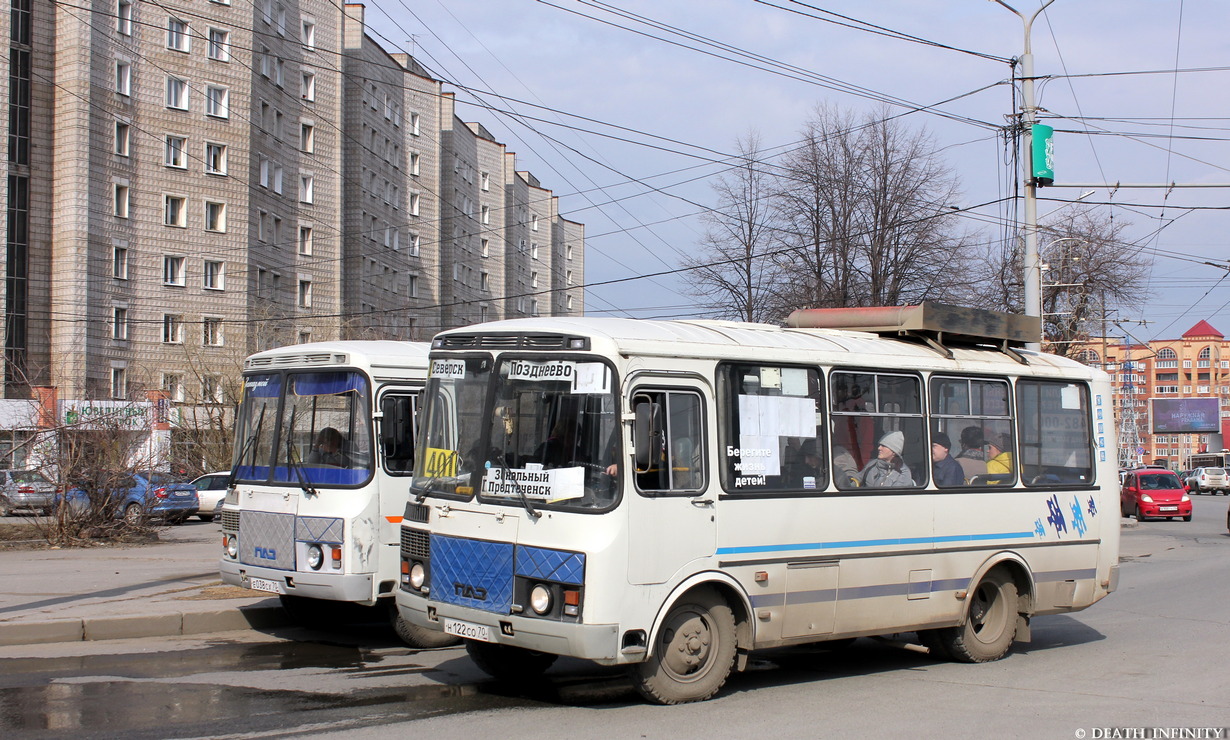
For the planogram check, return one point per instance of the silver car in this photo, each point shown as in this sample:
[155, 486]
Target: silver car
[26, 490]
[1208, 480]
[211, 488]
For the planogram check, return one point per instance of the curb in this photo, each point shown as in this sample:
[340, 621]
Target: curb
[161, 625]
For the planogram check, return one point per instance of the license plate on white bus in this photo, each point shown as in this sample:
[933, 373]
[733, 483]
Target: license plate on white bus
[467, 630]
[262, 584]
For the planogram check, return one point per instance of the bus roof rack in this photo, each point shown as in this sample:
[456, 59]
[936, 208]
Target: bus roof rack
[937, 324]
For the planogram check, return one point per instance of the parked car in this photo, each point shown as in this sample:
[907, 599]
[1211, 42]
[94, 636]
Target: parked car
[148, 494]
[1150, 492]
[1214, 480]
[210, 488]
[25, 490]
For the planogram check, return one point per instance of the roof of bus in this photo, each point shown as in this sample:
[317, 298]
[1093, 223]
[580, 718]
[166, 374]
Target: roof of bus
[730, 339]
[375, 352]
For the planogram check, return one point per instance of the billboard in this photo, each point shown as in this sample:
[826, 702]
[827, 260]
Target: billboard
[1184, 415]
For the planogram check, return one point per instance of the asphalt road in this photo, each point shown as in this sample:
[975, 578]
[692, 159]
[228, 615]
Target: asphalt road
[1152, 655]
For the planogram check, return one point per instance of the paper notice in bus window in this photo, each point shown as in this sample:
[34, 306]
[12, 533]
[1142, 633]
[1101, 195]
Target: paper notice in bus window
[1070, 397]
[557, 484]
[556, 370]
[449, 369]
[770, 377]
[591, 377]
[794, 381]
[440, 463]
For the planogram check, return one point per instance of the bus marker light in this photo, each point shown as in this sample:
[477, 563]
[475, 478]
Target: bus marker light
[570, 610]
[572, 597]
[762, 576]
[465, 490]
[336, 555]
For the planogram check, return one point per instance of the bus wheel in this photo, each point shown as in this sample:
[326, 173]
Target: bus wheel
[990, 625]
[420, 637]
[508, 662]
[693, 653]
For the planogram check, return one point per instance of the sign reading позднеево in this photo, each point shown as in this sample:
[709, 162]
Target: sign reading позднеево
[1184, 415]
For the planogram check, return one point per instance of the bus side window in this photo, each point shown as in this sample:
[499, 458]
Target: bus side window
[669, 439]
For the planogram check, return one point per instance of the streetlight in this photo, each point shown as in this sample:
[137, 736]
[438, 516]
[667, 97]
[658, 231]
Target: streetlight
[1033, 264]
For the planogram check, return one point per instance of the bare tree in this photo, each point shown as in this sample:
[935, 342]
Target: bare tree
[732, 274]
[1087, 266]
[863, 211]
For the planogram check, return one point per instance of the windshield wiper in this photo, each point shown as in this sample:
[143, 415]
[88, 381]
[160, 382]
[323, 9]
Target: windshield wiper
[304, 484]
[504, 473]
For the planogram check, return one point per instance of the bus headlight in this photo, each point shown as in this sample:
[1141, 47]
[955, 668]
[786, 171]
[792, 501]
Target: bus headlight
[540, 599]
[232, 547]
[418, 576]
[315, 557]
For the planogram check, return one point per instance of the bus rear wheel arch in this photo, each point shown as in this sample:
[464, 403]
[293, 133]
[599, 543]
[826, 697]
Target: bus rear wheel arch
[693, 651]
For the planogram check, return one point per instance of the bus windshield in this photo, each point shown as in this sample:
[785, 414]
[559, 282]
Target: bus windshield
[544, 434]
[321, 437]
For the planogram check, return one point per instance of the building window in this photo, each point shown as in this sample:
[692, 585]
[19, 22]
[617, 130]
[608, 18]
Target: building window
[413, 288]
[277, 178]
[119, 322]
[569, 277]
[486, 214]
[216, 101]
[307, 137]
[215, 159]
[414, 204]
[568, 252]
[307, 188]
[219, 45]
[119, 382]
[534, 222]
[172, 270]
[308, 87]
[484, 180]
[119, 261]
[123, 17]
[177, 34]
[414, 124]
[534, 279]
[308, 33]
[414, 163]
[484, 281]
[305, 293]
[173, 384]
[120, 200]
[305, 240]
[122, 138]
[211, 389]
[177, 93]
[213, 276]
[215, 216]
[175, 212]
[123, 77]
[176, 154]
[305, 337]
[172, 329]
[211, 331]
[485, 248]
[533, 250]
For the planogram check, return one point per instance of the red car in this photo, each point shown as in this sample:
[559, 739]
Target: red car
[1150, 492]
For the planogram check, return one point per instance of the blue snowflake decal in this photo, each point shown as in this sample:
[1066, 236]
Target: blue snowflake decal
[1039, 529]
[1078, 517]
[1092, 507]
[1056, 514]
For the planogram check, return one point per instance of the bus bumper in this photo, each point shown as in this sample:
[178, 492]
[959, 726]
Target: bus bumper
[596, 642]
[356, 587]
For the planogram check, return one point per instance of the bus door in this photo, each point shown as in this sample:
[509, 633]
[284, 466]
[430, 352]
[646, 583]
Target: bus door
[397, 426]
[672, 513]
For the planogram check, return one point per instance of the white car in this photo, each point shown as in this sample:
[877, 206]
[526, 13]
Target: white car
[211, 488]
[1208, 480]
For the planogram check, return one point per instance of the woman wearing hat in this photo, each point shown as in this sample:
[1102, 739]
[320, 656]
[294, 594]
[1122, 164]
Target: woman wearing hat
[999, 461]
[887, 470]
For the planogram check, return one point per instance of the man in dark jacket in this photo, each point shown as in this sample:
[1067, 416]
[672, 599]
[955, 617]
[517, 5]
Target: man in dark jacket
[947, 471]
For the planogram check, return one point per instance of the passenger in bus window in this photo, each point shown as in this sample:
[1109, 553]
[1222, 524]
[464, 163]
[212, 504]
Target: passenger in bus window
[973, 458]
[805, 472]
[947, 472]
[845, 469]
[999, 447]
[887, 470]
[328, 449]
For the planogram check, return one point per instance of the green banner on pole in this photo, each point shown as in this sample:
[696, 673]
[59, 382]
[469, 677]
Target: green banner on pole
[1043, 155]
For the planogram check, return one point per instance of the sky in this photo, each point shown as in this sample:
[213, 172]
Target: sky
[628, 109]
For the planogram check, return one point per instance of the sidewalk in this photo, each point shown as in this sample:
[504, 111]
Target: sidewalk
[99, 593]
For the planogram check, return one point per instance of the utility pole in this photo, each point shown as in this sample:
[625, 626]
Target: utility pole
[1033, 264]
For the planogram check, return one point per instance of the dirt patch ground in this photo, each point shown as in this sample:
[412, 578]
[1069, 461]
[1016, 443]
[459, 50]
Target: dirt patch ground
[31, 535]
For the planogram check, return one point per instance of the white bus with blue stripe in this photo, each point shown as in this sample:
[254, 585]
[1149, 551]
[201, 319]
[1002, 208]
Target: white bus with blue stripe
[323, 452]
[672, 495]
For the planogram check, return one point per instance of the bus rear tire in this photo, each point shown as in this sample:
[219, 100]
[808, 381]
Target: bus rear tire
[693, 653]
[420, 637]
[508, 662]
[990, 624]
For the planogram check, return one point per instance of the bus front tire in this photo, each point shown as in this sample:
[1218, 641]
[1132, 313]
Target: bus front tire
[693, 653]
[508, 662]
[421, 637]
[990, 625]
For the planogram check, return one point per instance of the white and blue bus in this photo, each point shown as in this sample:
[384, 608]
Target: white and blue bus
[324, 444]
[672, 495]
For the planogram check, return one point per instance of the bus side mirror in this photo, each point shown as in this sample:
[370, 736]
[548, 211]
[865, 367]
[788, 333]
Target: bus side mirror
[644, 427]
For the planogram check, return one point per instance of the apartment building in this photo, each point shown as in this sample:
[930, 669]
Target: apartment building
[1195, 365]
[190, 181]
